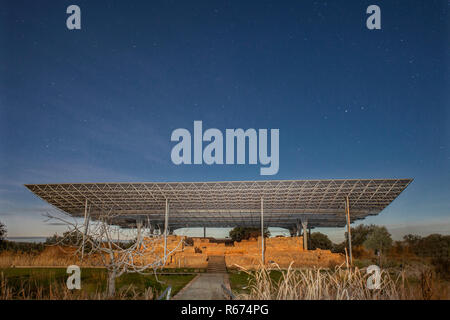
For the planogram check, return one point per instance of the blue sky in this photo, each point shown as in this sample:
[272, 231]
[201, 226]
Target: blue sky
[100, 103]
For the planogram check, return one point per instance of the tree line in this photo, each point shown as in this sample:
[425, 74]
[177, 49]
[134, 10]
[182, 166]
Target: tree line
[370, 237]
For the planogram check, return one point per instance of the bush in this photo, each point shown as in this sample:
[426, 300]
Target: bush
[240, 233]
[432, 246]
[338, 247]
[378, 240]
[22, 247]
[320, 241]
[442, 267]
[2, 232]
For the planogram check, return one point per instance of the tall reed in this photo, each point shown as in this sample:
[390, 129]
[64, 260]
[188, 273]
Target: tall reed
[322, 284]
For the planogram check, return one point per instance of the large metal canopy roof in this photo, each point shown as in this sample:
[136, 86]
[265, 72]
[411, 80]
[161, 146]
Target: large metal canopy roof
[227, 203]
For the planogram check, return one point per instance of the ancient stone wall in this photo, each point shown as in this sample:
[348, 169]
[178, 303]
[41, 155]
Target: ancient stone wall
[283, 251]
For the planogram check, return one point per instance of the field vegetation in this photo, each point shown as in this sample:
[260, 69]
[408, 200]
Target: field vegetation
[414, 268]
[50, 283]
[336, 284]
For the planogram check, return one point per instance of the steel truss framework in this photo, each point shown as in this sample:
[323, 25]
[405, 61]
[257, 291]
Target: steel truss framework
[229, 203]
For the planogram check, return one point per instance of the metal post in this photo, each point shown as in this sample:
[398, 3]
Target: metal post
[139, 233]
[349, 234]
[166, 222]
[298, 229]
[305, 234]
[86, 225]
[262, 231]
[152, 228]
[309, 236]
[204, 232]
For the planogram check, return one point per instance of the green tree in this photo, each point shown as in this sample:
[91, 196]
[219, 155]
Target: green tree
[241, 233]
[412, 239]
[339, 247]
[378, 240]
[434, 245]
[320, 241]
[2, 232]
[359, 234]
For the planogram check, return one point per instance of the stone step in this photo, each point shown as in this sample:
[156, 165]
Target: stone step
[216, 264]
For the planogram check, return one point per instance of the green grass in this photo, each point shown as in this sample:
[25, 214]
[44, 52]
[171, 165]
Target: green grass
[182, 270]
[94, 280]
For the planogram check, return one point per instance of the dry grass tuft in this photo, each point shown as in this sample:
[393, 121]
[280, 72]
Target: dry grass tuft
[321, 284]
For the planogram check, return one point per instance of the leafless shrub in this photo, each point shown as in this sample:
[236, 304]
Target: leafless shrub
[100, 241]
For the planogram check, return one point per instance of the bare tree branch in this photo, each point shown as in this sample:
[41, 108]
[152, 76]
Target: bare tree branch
[142, 253]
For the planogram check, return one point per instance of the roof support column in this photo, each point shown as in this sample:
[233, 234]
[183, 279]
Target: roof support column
[151, 228]
[86, 226]
[139, 231]
[166, 223]
[349, 234]
[309, 236]
[305, 234]
[262, 231]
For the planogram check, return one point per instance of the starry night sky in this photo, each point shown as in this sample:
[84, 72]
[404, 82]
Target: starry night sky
[100, 103]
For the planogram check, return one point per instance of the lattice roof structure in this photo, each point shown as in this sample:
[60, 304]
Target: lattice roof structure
[227, 203]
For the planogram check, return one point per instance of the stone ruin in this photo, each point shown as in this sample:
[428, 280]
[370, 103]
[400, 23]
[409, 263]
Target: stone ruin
[194, 253]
